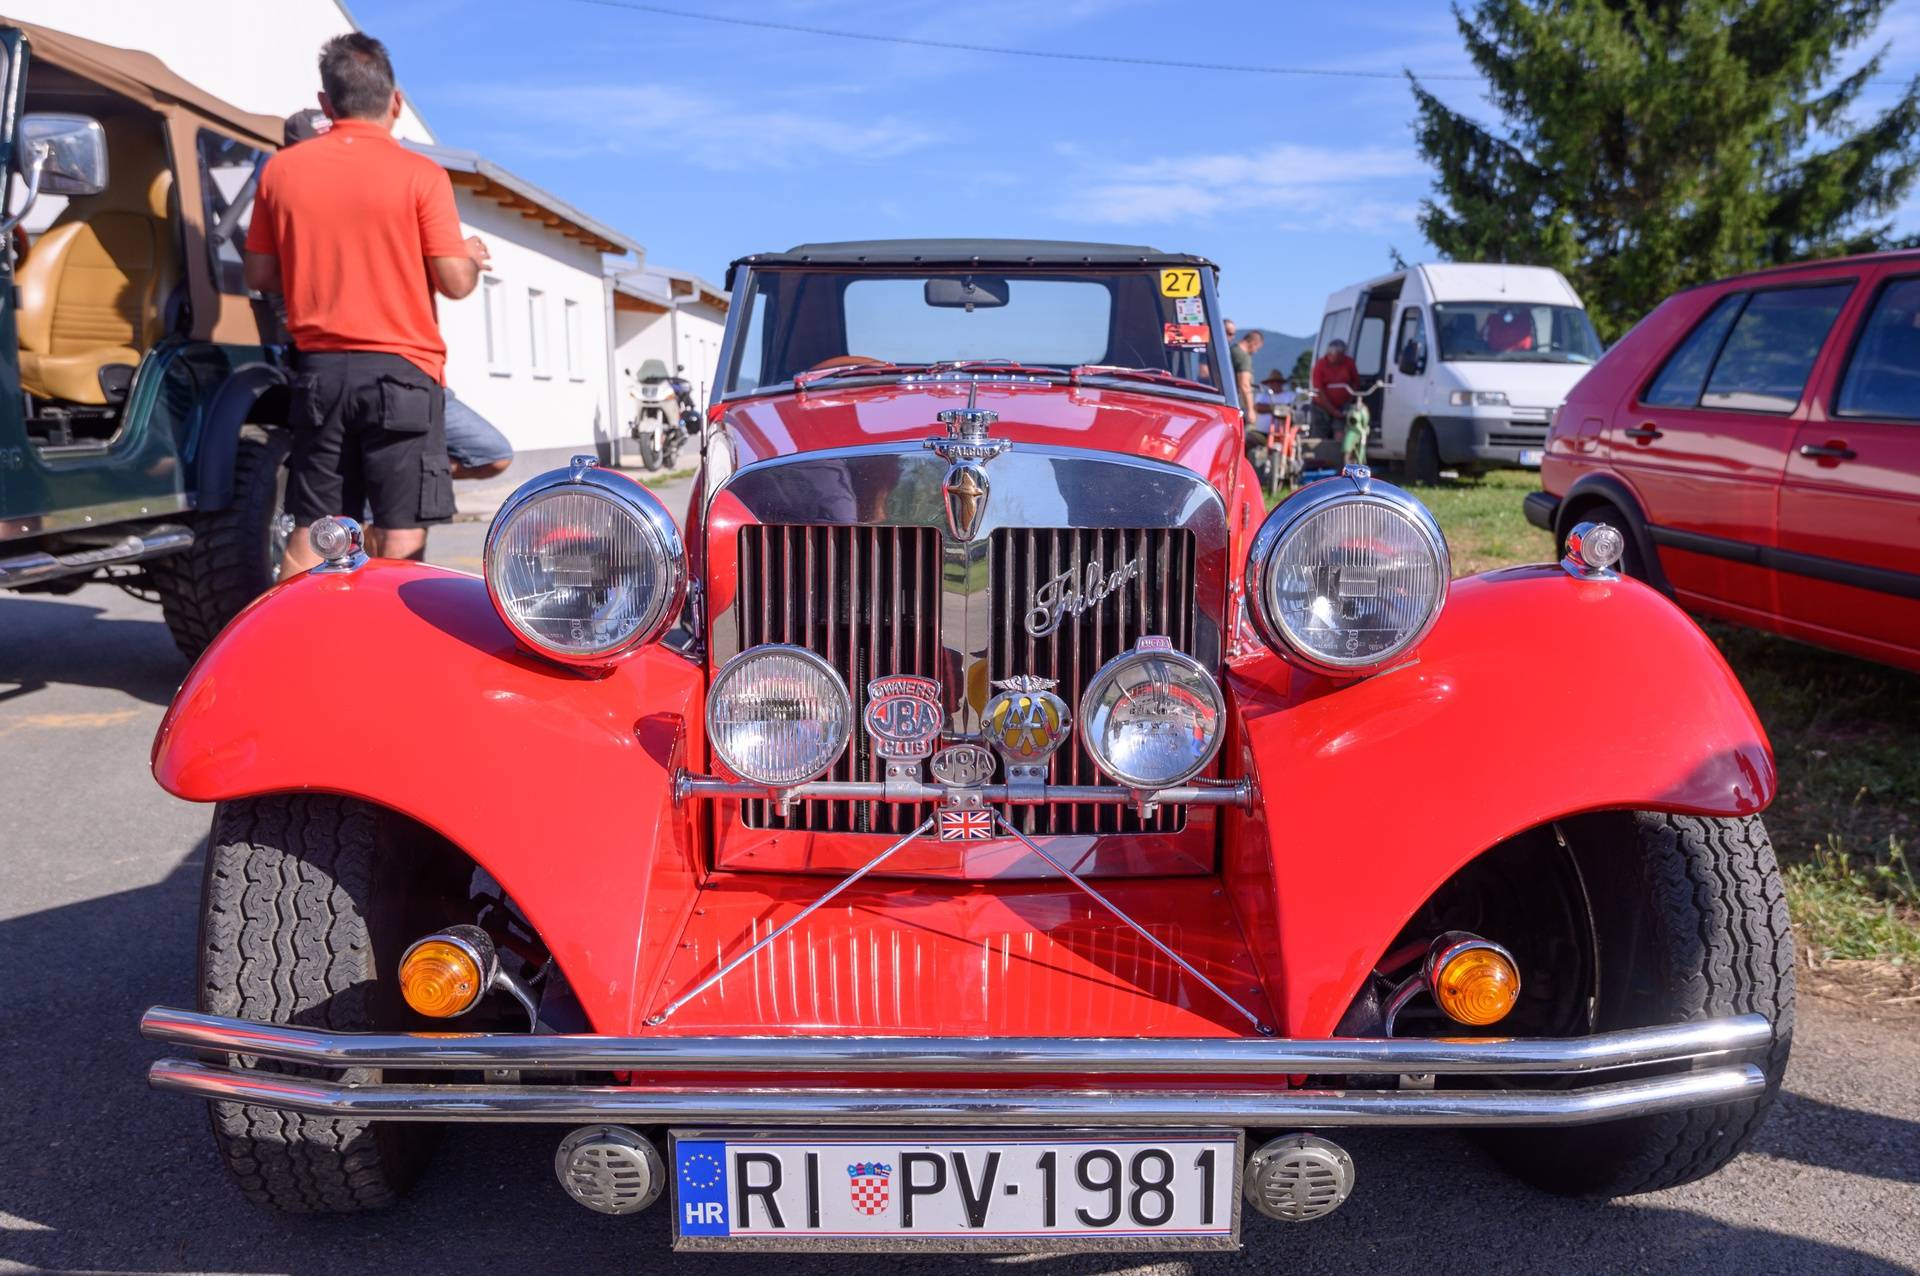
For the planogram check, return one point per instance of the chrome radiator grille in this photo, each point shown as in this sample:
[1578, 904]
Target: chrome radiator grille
[1159, 601]
[866, 598]
[869, 600]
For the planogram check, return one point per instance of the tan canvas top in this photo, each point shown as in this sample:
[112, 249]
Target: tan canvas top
[146, 79]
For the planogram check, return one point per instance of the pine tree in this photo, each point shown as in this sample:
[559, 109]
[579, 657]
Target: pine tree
[1647, 145]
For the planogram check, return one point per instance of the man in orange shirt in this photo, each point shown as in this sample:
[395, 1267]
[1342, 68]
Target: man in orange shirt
[358, 233]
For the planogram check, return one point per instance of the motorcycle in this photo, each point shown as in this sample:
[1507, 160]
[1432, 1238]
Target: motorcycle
[665, 415]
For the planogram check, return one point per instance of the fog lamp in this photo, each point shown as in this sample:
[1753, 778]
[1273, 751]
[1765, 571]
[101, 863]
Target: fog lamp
[779, 715]
[446, 973]
[1152, 716]
[1475, 981]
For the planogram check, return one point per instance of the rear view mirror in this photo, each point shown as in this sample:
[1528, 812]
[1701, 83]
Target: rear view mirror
[69, 152]
[1413, 358]
[967, 293]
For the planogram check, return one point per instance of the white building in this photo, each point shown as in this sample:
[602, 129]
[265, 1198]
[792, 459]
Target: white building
[530, 349]
[674, 317]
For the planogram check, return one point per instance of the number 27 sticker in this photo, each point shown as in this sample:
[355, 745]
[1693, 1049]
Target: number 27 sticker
[1181, 281]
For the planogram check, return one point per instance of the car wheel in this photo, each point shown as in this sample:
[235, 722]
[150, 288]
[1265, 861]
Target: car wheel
[1423, 457]
[1630, 564]
[299, 924]
[1690, 922]
[235, 555]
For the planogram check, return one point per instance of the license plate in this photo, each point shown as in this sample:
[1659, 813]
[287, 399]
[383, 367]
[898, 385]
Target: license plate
[1532, 455]
[1132, 1190]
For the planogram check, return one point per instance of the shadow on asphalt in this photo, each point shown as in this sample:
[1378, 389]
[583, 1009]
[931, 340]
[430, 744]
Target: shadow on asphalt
[46, 641]
[99, 1173]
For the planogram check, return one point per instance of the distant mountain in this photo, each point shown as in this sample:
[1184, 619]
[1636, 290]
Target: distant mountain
[1280, 352]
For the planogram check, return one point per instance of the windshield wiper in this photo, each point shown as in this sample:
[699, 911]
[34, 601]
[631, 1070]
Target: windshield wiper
[1159, 376]
[877, 368]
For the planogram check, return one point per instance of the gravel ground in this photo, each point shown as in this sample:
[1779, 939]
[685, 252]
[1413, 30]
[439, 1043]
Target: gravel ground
[99, 882]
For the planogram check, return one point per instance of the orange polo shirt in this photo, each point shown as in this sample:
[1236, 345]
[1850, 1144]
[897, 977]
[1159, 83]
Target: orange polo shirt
[353, 216]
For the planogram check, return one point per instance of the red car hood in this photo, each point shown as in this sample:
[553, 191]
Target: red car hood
[1202, 437]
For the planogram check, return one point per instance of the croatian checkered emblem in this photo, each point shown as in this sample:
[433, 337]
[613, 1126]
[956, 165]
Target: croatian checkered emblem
[867, 1186]
[966, 825]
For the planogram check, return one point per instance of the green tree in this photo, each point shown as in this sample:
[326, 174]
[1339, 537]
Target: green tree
[1302, 368]
[1646, 145]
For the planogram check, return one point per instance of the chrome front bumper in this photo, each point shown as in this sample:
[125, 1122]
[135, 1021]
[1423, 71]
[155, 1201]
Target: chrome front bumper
[724, 1063]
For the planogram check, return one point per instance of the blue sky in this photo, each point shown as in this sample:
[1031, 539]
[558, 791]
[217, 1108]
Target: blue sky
[707, 141]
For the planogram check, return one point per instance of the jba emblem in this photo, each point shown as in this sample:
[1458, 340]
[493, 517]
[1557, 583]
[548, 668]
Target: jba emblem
[963, 766]
[1026, 722]
[903, 716]
[867, 1186]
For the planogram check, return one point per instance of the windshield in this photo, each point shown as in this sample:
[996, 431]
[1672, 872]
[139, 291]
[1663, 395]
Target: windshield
[799, 321]
[1513, 332]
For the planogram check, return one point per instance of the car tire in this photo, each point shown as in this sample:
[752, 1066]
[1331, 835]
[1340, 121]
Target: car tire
[1690, 916]
[296, 928]
[1423, 457]
[235, 555]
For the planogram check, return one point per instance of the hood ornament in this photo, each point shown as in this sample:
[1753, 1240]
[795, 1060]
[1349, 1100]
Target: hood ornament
[966, 447]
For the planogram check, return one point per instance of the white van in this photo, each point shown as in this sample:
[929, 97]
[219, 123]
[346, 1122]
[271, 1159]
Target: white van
[1480, 357]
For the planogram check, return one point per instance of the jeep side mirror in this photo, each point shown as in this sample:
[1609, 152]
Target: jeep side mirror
[68, 151]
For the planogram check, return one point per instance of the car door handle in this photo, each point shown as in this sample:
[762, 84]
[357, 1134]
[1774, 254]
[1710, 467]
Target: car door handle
[1645, 434]
[1837, 450]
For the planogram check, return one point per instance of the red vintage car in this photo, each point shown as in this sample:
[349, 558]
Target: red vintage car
[978, 822]
[1758, 440]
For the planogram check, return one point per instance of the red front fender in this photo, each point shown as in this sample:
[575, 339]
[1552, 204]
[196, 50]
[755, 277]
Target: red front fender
[1536, 697]
[398, 684]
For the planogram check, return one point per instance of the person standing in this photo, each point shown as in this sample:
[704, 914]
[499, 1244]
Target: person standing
[358, 233]
[1242, 352]
[1336, 380]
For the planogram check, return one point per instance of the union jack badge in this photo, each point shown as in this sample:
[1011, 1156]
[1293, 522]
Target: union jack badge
[867, 1186]
[966, 824]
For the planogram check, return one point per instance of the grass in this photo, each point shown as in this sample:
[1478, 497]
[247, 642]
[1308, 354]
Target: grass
[1846, 736]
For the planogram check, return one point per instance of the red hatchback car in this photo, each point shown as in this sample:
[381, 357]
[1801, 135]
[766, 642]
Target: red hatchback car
[1760, 440]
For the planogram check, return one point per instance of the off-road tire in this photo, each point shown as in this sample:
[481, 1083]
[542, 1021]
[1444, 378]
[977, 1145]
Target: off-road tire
[230, 562]
[293, 930]
[1690, 919]
[1423, 456]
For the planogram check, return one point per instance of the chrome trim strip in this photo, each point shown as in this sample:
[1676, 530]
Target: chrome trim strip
[1234, 793]
[1029, 1107]
[81, 516]
[1140, 1056]
[134, 547]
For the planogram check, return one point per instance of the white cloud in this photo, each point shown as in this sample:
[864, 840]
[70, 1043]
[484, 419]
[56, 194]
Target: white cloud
[1302, 187]
[629, 119]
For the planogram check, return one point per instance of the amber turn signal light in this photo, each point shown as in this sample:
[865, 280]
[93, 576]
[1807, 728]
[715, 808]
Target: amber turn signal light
[1473, 980]
[446, 973]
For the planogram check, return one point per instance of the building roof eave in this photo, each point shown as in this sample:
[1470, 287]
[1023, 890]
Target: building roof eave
[488, 180]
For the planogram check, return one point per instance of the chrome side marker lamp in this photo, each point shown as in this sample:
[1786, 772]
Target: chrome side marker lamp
[339, 543]
[1592, 551]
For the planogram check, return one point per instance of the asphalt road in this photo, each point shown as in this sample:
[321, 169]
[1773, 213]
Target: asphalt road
[99, 882]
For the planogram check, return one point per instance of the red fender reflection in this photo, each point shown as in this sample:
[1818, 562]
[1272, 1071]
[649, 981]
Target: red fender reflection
[1537, 696]
[399, 684]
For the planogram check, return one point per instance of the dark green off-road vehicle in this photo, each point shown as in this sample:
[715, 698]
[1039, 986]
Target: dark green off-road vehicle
[138, 380]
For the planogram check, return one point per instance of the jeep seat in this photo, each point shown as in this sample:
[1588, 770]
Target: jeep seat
[94, 287]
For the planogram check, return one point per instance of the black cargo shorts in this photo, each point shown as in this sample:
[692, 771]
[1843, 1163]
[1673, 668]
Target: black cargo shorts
[368, 429]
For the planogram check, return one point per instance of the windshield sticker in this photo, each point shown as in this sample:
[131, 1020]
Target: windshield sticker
[1186, 336]
[1187, 310]
[1180, 281]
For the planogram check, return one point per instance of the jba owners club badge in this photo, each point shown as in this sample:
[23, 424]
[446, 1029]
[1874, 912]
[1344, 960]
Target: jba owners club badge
[903, 716]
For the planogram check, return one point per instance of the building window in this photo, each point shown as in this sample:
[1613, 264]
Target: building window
[493, 297]
[537, 333]
[570, 332]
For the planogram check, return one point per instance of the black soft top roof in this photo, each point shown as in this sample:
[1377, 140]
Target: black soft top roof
[967, 253]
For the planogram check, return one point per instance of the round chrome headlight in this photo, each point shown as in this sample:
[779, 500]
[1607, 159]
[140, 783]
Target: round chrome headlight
[1152, 717]
[585, 564]
[779, 715]
[1347, 575]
